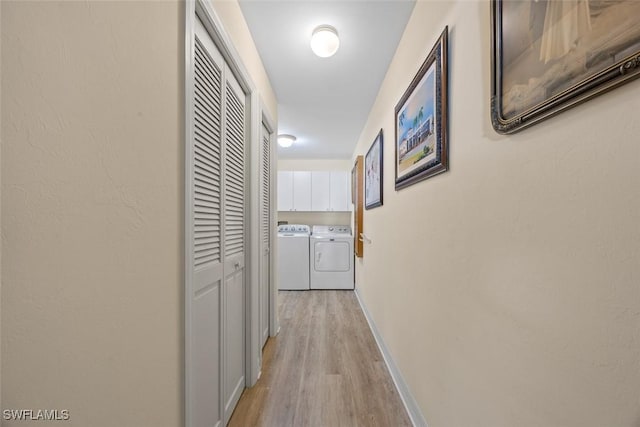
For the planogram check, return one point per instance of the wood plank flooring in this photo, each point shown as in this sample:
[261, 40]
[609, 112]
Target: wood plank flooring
[322, 370]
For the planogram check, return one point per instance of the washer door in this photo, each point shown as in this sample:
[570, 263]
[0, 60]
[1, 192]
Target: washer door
[332, 256]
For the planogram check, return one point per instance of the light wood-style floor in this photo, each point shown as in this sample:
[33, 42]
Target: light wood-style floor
[322, 370]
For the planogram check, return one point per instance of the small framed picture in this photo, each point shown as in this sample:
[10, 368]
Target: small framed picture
[373, 174]
[421, 120]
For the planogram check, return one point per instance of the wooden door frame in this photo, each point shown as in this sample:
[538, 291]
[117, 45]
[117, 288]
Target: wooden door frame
[221, 39]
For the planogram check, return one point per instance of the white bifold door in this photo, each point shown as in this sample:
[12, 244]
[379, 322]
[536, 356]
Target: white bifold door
[265, 232]
[215, 344]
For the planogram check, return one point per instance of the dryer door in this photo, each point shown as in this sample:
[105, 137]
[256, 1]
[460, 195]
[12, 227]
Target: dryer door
[332, 256]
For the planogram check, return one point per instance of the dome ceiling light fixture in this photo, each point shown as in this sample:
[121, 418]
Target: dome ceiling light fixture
[325, 41]
[286, 141]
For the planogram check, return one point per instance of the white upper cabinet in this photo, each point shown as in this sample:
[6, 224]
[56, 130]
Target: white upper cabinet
[340, 191]
[317, 191]
[285, 191]
[301, 191]
[294, 191]
[321, 191]
[330, 191]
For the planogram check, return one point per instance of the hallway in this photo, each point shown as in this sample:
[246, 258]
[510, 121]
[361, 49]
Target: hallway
[140, 199]
[323, 369]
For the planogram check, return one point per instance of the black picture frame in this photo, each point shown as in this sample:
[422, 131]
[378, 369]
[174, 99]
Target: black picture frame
[373, 173]
[544, 63]
[421, 146]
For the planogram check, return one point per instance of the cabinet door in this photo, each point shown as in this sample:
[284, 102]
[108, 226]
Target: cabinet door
[204, 264]
[233, 313]
[339, 191]
[285, 191]
[301, 191]
[320, 191]
[265, 232]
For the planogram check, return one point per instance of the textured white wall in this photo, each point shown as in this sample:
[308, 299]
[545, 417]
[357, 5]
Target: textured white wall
[92, 179]
[507, 288]
[91, 195]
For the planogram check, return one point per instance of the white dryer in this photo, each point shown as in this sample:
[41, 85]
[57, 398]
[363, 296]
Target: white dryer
[293, 261]
[331, 257]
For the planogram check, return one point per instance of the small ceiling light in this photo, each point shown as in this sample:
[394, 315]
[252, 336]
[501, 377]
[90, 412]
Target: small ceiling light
[286, 141]
[325, 41]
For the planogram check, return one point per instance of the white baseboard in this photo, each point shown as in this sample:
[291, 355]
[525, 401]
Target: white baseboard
[410, 404]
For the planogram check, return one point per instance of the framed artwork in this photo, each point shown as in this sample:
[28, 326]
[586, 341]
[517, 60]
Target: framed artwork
[548, 56]
[373, 174]
[421, 120]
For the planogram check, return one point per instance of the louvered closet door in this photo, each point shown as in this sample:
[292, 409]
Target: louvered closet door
[265, 231]
[206, 227]
[234, 244]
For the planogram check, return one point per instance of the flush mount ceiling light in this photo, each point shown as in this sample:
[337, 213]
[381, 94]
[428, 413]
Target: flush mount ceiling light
[286, 141]
[325, 41]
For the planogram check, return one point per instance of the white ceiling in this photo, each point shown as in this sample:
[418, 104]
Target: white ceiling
[325, 102]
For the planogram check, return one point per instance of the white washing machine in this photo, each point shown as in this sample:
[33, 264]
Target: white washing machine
[331, 257]
[293, 259]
